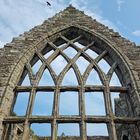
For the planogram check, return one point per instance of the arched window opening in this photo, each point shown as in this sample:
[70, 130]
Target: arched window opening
[93, 78]
[115, 80]
[68, 89]
[70, 52]
[70, 78]
[36, 64]
[48, 54]
[91, 53]
[104, 66]
[46, 79]
[24, 79]
[79, 45]
[59, 42]
[82, 64]
[58, 64]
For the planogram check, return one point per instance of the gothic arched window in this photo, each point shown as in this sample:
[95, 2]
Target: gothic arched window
[72, 86]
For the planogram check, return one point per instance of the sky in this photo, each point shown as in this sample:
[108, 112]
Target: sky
[19, 16]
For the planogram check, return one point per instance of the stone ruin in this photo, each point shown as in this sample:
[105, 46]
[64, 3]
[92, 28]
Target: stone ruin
[72, 29]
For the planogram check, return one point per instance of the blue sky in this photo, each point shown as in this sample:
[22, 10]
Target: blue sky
[19, 16]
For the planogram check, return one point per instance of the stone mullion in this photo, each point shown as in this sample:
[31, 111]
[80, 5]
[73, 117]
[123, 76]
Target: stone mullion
[65, 46]
[111, 125]
[92, 63]
[81, 102]
[89, 69]
[107, 98]
[64, 38]
[86, 56]
[70, 63]
[82, 113]
[101, 56]
[112, 130]
[110, 72]
[53, 56]
[89, 45]
[77, 38]
[41, 70]
[28, 114]
[52, 45]
[74, 40]
[26, 130]
[123, 90]
[87, 72]
[74, 118]
[81, 98]
[5, 132]
[55, 113]
[108, 106]
[30, 72]
[39, 74]
[54, 129]
[75, 47]
[62, 48]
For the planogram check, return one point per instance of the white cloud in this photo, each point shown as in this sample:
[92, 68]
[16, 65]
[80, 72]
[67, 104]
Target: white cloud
[1, 44]
[19, 16]
[119, 3]
[96, 13]
[136, 33]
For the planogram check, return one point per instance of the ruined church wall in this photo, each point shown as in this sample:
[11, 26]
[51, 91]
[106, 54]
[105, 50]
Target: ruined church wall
[16, 53]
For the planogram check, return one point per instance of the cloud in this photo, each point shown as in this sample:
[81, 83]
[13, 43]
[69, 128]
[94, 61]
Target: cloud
[119, 3]
[96, 13]
[136, 33]
[19, 16]
[2, 44]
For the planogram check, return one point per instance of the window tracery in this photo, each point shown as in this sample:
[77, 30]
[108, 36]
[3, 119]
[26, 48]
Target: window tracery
[69, 65]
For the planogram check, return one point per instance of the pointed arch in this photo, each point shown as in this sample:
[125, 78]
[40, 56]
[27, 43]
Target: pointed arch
[114, 81]
[91, 53]
[82, 64]
[46, 79]
[93, 78]
[105, 67]
[35, 63]
[110, 58]
[25, 78]
[70, 52]
[70, 78]
[58, 64]
[26, 81]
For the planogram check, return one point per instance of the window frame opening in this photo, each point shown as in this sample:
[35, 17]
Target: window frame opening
[93, 43]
